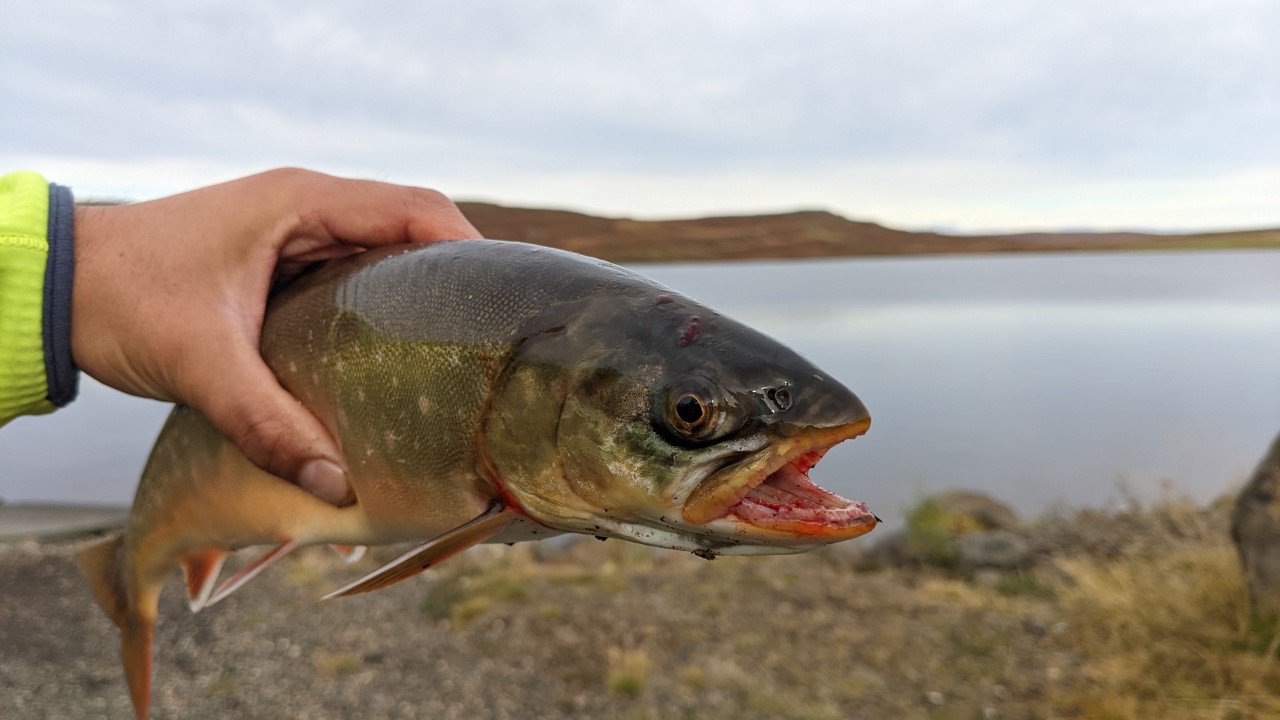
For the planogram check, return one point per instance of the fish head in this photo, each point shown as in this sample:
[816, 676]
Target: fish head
[657, 420]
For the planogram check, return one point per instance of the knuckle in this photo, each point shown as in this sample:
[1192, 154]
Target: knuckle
[288, 174]
[428, 198]
[263, 439]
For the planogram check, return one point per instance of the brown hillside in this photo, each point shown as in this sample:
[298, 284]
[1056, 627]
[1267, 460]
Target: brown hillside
[797, 234]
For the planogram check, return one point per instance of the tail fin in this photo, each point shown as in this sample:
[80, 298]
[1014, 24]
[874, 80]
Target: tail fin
[102, 565]
[131, 607]
[136, 636]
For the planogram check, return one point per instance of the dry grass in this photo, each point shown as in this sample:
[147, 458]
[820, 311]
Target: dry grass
[1150, 623]
[1168, 633]
[628, 671]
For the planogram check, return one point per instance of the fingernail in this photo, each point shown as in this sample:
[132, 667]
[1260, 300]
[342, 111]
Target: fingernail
[324, 479]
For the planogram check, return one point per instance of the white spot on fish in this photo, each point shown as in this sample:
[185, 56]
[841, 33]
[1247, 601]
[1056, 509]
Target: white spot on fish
[293, 366]
[360, 394]
[389, 439]
[424, 404]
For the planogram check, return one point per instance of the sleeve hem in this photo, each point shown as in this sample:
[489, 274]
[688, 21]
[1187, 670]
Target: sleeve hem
[61, 373]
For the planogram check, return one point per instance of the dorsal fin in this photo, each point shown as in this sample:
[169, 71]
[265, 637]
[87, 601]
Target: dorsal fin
[434, 552]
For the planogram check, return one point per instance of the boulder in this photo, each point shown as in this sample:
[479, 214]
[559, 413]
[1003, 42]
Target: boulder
[1255, 529]
[982, 511]
[994, 549]
[888, 550]
[936, 531]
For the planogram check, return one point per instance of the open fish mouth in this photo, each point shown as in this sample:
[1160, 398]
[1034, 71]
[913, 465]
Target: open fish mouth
[772, 492]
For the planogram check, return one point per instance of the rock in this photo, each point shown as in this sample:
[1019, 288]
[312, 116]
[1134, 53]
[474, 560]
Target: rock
[996, 549]
[937, 525]
[1255, 529]
[986, 512]
[891, 550]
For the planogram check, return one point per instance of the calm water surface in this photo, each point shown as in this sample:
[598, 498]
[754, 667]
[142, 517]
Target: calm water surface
[1042, 379]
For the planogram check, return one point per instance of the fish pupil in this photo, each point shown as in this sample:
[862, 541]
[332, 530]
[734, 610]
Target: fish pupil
[690, 409]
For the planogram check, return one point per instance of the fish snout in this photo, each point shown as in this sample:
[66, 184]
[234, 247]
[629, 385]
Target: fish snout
[823, 402]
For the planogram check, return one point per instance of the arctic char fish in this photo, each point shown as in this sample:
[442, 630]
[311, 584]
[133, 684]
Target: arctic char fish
[487, 391]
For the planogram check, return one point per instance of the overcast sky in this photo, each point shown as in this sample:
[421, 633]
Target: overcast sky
[969, 115]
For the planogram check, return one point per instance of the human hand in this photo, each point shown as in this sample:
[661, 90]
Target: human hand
[169, 295]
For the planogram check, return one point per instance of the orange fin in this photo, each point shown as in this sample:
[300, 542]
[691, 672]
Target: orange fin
[350, 553]
[433, 552]
[101, 565]
[133, 611]
[136, 637]
[201, 569]
[248, 572]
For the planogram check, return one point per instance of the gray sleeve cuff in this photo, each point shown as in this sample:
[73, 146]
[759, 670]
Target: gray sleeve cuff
[59, 367]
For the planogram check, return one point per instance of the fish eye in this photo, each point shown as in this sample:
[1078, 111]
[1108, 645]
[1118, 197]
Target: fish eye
[695, 410]
[692, 415]
[691, 411]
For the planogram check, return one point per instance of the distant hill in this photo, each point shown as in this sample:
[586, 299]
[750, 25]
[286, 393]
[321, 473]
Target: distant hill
[812, 233]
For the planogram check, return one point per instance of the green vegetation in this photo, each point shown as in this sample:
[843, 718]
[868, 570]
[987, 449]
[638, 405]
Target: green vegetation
[462, 598]
[932, 530]
[628, 671]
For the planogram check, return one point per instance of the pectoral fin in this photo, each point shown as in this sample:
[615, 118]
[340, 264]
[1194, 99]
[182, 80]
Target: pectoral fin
[433, 552]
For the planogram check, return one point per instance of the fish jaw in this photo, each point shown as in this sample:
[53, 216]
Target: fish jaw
[761, 505]
[769, 499]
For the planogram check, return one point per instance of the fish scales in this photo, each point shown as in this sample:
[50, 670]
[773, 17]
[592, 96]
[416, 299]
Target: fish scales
[486, 391]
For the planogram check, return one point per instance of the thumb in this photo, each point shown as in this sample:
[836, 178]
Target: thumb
[243, 399]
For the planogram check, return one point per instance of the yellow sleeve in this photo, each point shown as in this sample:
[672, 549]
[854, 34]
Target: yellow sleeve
[24, 250]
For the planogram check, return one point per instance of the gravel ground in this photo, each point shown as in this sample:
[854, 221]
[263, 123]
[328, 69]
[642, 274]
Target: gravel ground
[589, 630]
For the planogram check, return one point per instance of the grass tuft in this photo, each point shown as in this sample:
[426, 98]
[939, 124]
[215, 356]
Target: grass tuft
[1023, 584]
[336, 663]
[1168, 633]
[628, 671]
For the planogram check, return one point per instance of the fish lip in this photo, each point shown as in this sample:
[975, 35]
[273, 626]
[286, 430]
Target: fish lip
[713, 501]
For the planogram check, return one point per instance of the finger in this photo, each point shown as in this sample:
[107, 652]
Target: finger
[368, 213]
[243, 400]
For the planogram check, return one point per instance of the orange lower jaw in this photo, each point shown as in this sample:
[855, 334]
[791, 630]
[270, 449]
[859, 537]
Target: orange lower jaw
[715, 499]
[817, 530]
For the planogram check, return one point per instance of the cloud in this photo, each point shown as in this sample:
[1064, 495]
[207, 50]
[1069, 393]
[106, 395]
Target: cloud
[969, 113]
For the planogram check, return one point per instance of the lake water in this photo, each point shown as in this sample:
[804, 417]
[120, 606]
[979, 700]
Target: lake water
[1042, 379]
